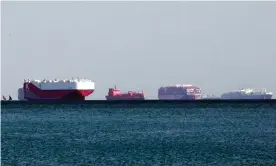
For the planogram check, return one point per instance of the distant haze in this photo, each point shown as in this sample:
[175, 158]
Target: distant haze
[218, 46]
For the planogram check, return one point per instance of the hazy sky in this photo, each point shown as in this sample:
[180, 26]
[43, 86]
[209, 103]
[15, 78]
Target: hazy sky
[218, 46]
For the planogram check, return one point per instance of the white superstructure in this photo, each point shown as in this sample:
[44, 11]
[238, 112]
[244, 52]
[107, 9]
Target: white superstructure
[178, 85]
[77, 84]
[251, 91]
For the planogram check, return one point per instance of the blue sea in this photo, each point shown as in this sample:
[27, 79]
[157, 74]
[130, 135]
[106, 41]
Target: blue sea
[91, 134]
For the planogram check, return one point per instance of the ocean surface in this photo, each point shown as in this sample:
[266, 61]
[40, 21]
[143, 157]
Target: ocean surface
[90, 134]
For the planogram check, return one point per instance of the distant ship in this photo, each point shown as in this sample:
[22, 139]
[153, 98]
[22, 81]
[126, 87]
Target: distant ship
[116, 94]
[247, 94]
[4, 98]
[179, 92]
[209, 97]
[74, 89]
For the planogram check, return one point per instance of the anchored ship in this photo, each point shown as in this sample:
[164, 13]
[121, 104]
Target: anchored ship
[209, 97]
[247, 93]
[73, 89]
[4, 98]
[116, 94]
[179, 92]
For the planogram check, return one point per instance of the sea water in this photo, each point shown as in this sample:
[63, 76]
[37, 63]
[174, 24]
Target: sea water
[87, 134]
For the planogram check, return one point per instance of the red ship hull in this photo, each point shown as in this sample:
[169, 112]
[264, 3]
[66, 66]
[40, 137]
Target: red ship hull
[34, 93]
[124, 98]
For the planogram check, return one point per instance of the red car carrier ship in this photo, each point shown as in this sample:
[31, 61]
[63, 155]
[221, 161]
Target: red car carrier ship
[74, 89]
[116, 94]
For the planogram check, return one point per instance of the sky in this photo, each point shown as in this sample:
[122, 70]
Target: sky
[218, 46]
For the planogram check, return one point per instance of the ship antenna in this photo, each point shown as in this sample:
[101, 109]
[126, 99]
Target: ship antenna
[115, 86]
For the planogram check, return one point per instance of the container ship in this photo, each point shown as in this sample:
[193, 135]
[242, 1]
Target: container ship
[247, 94]
[116, 94]
[44, 90]
[179, 92]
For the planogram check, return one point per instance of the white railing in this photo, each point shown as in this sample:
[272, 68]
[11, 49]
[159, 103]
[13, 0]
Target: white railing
[57, 81]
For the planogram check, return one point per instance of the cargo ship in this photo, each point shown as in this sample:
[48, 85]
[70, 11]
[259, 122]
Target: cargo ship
[179, 92]
[247, 93]
[49, 90]
[116, 94]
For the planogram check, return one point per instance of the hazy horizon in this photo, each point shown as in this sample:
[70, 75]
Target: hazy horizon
[218, 46]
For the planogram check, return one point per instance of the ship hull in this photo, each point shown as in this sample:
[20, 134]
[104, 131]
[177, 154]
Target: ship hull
[123, 98]
[248, 97]
[53, 95]
[72, 95]
[178, 97]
